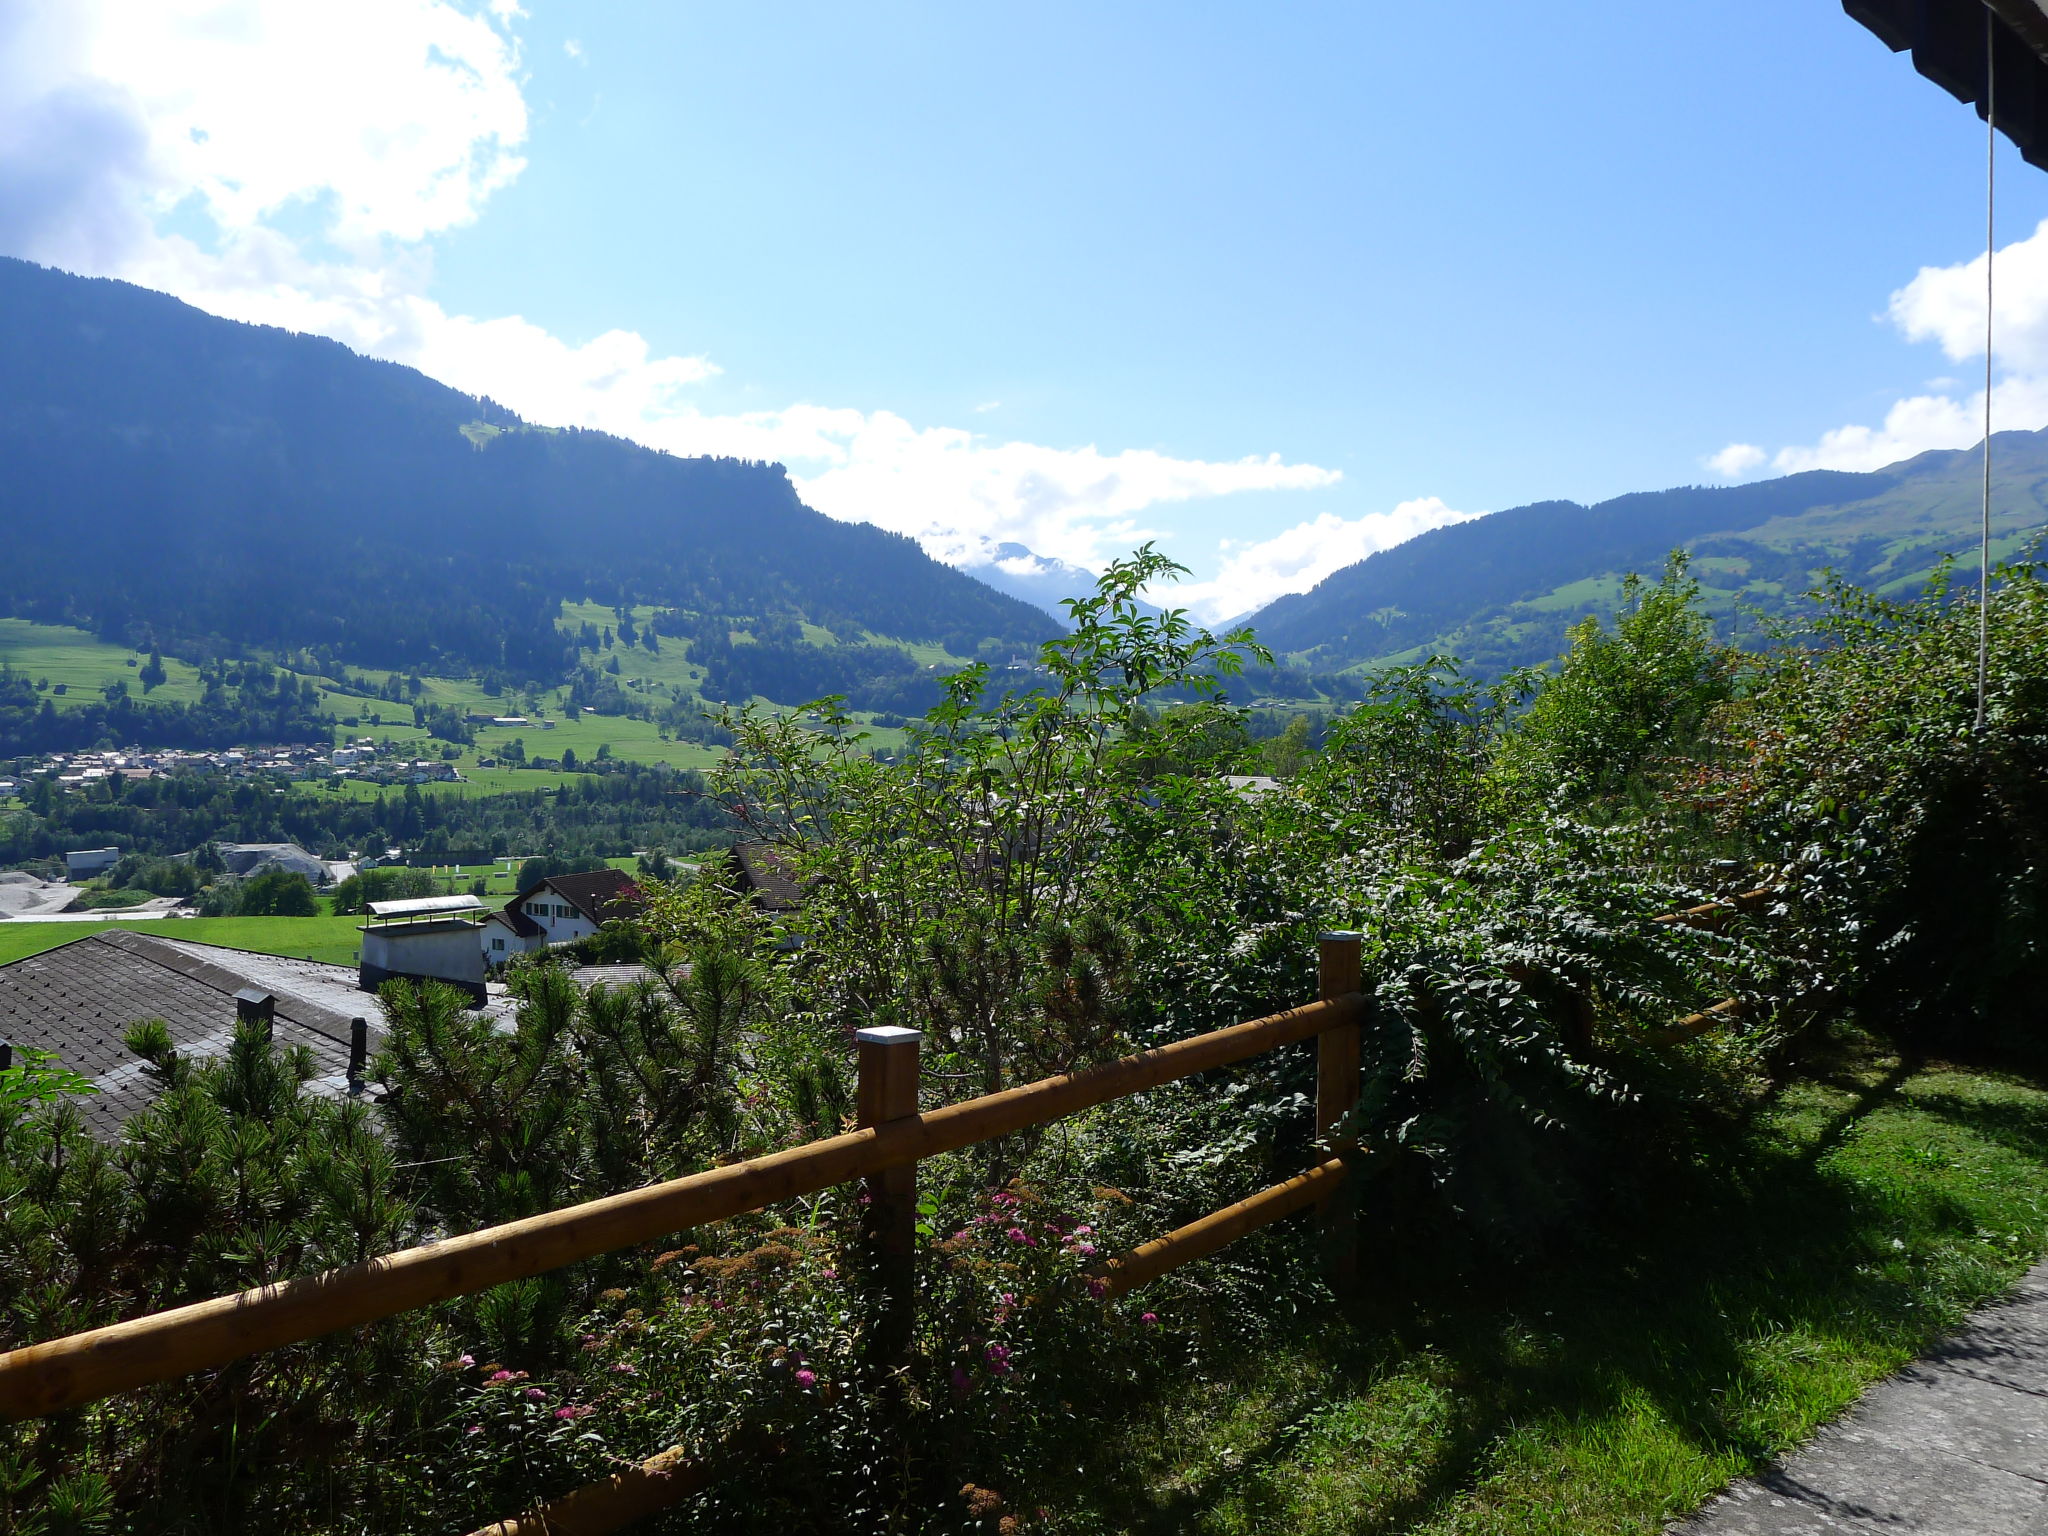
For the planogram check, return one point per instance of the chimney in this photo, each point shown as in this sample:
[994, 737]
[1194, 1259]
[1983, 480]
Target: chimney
[6, 1054]
[253, 1005]
[358, 1053]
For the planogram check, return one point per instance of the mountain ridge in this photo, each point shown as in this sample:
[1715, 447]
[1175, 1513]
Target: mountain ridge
[203, 484]
[1501, 590]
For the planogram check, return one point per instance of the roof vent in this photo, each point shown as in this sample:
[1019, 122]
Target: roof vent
[253, 1005]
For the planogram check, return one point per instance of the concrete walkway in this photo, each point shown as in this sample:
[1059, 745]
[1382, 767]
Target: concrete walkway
[1955, 1444]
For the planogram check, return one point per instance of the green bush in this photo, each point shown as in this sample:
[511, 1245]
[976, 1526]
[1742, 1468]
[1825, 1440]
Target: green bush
[277, 893]
[1913, 846]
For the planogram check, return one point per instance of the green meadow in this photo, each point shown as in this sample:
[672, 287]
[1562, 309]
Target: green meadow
[326, 938]
[83, 666]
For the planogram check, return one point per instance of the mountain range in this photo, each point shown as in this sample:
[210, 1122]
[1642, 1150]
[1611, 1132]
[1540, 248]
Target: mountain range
[1502, 590]
[171, 478]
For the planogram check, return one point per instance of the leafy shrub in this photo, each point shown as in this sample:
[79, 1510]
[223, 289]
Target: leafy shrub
[1913, 847]
[277, 893]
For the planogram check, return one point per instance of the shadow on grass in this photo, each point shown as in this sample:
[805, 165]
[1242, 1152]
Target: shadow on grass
[1749, 1296]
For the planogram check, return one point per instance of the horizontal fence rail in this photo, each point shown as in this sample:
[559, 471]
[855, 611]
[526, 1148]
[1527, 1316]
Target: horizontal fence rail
[64, 1373]
[611, 1503]
[1218, 1229]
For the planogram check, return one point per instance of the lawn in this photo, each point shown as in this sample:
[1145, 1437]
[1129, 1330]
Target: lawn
[57, 653]
[331, 939]
[1611, 1387]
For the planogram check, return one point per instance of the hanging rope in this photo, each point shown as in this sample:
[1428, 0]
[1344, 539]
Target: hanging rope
[1990, 256]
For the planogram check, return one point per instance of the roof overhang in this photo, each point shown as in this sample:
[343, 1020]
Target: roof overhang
[1949, 45]
[426, 906]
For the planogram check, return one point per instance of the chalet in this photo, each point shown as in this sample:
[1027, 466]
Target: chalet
[559, 910]
[761, 871]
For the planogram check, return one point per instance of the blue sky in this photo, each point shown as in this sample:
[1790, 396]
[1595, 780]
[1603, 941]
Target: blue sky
[1304, 278]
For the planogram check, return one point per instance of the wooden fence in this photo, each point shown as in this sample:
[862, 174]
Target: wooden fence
[891, 1138]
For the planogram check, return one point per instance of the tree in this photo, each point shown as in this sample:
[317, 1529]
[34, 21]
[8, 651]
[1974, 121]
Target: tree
[277, 893]
[959, 886]
[152, 673]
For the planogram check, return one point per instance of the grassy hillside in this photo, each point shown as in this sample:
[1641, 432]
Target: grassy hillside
[62, 654]
[334, 940]
[1501, 591]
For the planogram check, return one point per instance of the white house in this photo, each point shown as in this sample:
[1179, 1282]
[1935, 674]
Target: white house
[559, 910]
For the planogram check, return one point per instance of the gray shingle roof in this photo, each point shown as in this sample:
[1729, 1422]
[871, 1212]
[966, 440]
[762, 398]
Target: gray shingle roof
[77, 1001]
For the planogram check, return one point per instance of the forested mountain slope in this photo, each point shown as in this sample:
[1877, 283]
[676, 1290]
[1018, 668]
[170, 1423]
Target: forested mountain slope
[170, 477]
[1501, 590]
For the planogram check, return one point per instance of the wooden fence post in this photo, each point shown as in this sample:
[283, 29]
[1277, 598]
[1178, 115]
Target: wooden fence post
[888, 1091]
[1339, 974]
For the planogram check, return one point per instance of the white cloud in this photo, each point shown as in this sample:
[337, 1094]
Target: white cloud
[573, 49]
[289, 161]
[1945, 305]
[1736, 460]
[1295, 559]
[402, 114]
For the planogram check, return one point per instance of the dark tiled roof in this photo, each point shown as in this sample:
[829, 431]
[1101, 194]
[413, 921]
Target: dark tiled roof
[602, 895]
[76, 1001]
[762, 870]
[515, 914]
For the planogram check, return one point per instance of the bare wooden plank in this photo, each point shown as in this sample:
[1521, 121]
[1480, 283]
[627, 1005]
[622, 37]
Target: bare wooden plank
[1704, 1020]
[1220, 1228]
[611, 1503]
[1712, 914]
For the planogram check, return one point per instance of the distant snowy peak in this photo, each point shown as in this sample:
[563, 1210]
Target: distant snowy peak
[1040, 580]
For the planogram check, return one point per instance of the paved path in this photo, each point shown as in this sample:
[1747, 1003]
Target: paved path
[1955, 1444]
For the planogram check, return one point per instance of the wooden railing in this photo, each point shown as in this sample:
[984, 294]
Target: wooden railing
[891, 1138]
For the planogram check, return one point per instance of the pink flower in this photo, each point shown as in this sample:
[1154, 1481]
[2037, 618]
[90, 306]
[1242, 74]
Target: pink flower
[1008, 1298]
[807, 1378]
[535, 1395]
[1148, 1318]
[575, 1411]
[998, 1357]
[831, 1274]
[1097, 1288]
[962, 1382]
[1084, 1231]
[465, 1360]
[474, 1429]
[1015, 1234]
[957, 1236]
[624, 1368]
[499, 1376]
[1084, 1249]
